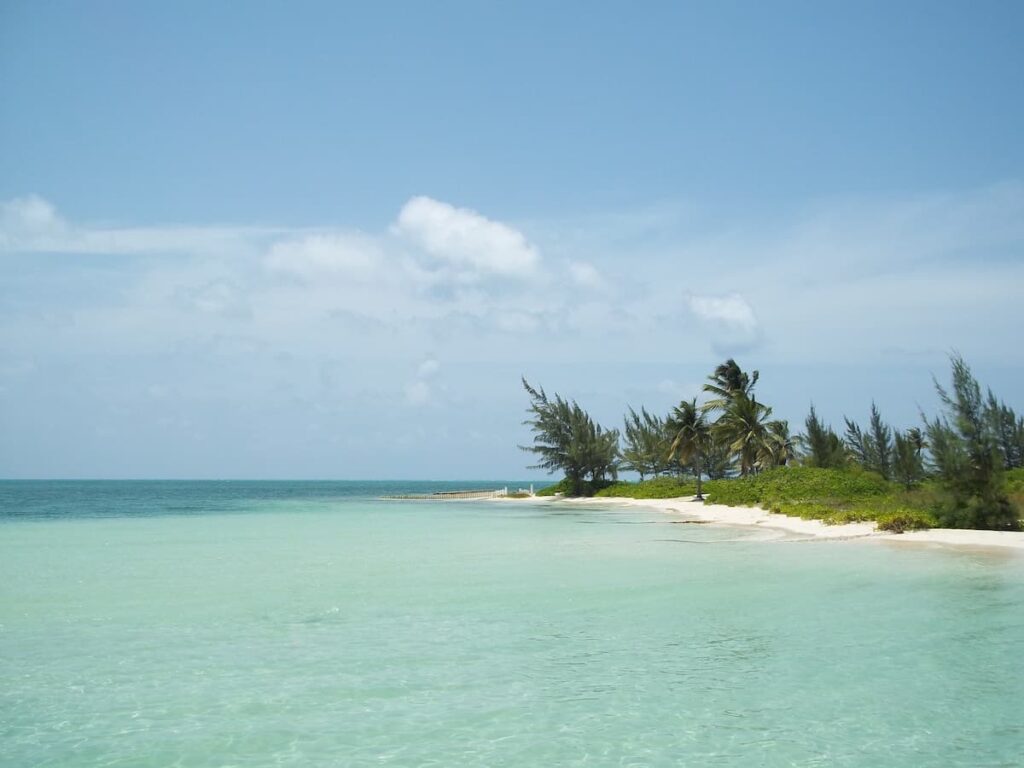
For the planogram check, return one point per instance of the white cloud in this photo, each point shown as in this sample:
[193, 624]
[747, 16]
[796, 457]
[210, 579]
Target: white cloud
[312, 256]
[24, 218]
[586, 275]
[729, 319]
[32, 224]
[465, 239]
[731, 311]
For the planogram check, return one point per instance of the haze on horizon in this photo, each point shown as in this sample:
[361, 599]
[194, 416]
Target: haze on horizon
[317, 240]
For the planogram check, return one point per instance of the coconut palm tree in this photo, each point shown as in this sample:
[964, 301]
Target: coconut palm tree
[743, 426]
[779, 447]
[691, 438]
[727, 382]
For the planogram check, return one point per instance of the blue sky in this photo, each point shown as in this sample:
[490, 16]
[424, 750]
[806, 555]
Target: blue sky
[325, 240]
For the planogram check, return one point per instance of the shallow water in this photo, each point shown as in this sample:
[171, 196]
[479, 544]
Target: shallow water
[309, 624]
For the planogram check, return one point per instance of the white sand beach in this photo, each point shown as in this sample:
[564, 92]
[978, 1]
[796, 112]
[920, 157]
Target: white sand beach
[755, 516]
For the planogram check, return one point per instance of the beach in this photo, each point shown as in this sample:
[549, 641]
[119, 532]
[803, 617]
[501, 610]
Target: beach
[795, 527]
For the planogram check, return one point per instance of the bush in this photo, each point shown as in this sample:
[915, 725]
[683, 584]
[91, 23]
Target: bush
[1014, 480]
[996, 513]
[564, 487]
[906, 520]
[803, 484]
[655, 488]
[831, 495]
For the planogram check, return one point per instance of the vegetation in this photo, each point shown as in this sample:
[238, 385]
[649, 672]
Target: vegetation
[968, 457]
[691, 439]
[963, 468]
[646, 445]
[656, 488]
[567, 439]
[822, 447]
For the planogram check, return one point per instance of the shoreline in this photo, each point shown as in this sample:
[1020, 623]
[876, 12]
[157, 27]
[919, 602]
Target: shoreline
[756, 517]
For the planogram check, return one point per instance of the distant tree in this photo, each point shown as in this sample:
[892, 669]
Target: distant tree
[727, 382]
[645, 443]
[743, 427]
[908, 461]
[692, 438]
[1008, 431]
[873, 449]
[821, 446]
[779, 448]
[966, 456]
[566, 438]
[718, 460]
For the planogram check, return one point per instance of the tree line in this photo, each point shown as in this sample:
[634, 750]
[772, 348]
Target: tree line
[965, 449]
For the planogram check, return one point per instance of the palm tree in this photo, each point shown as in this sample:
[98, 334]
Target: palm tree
[743, 426]
[779, 447]
[691, 438]
[728, 381]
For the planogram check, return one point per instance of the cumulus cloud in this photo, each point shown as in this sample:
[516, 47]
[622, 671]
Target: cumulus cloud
[312, 256]
[729, 318]
[731, 311]
[29, 216]
[465, 239]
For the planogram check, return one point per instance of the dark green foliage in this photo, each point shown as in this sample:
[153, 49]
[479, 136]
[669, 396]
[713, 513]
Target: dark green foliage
[566, 487]
[718, 463]
[691, 438]
[646, 444]
[743, 426]
[966, 457]
[821, 446]
[778, 447]
[1007, 430]
[726, 383]
[906, 520]
[567, 439]
[873, 449]
[907, 461]
[656, 488]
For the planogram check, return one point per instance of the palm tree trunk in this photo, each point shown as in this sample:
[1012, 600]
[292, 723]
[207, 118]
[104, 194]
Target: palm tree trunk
[696, 471]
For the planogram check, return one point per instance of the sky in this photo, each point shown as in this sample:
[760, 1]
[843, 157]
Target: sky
[326, 240]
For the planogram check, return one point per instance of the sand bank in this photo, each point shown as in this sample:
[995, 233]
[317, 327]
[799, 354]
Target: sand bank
[755, 516]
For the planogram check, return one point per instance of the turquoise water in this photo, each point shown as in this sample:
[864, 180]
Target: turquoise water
[308, 624]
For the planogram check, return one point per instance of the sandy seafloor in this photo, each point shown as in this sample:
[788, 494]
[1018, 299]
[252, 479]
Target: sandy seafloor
[202, 624]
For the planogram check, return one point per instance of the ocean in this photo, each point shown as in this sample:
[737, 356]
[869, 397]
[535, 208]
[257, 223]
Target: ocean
[314, 624]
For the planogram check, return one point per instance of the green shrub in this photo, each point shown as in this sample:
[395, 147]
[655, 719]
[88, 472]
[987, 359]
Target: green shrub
[798, 484]
[1013, 480]
[564, 487]
[655, 488]
[905, 520]
[996, 513]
